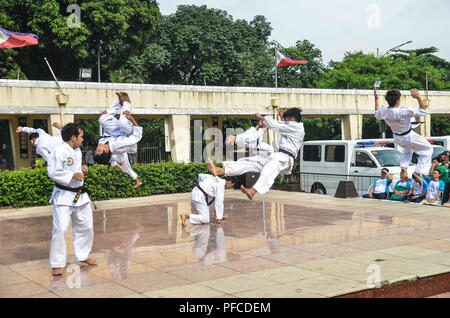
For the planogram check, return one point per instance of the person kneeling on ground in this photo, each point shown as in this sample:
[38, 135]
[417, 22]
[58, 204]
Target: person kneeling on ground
[435, 188]
[380, 188]
[401, 189]
[209, 189]
[418, 190]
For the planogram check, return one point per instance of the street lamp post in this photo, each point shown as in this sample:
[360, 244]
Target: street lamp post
[396, 47]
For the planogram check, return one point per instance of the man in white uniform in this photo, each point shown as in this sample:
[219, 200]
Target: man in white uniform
[122, 134]
[43, 142]
[209, 189]
[70, 201]
[281, 161]
[399, 119]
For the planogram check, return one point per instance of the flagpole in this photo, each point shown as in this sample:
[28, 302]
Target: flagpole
[276, 67]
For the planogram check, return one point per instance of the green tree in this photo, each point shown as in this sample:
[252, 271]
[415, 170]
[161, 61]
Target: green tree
[359, 71]
[119, 25]
[198, 45]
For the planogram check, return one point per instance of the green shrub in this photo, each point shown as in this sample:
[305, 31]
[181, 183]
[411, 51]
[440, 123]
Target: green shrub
[31, 187]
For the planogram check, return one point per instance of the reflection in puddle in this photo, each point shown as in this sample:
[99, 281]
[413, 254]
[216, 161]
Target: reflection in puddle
[210, 250]
[119, 257]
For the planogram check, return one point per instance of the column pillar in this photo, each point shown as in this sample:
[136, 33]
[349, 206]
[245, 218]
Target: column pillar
[180, 137]
[352, 127]
[425, 128]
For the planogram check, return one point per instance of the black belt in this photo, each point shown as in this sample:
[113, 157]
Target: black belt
[288, 153]
[206, 196]
[78, 192]
[405, 133]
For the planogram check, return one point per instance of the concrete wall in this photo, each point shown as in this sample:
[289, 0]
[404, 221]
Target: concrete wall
[42, 99]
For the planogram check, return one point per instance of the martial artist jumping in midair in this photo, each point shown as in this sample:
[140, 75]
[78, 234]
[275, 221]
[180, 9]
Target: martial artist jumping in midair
[43, 142]
[209, 189]
[281, 161]
[399, 119]
[252, 139]
[70, 201]
[122, 133]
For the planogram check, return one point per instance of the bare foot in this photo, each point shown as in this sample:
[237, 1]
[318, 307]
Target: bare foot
[184, 217]
[57, 271]
[90, 262]
[250, 193]
[138, 184]
[225, 217]
[218, 221]
[212, 168]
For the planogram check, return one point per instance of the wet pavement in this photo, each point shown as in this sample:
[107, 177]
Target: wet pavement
[283, 244]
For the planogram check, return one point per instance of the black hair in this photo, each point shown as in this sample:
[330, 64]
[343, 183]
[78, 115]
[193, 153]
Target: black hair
[387, 170]
[392, 96]
[294, 113]
[440, 172]
[103, 158]
[69, 130]
[231, 178]
[32, 136]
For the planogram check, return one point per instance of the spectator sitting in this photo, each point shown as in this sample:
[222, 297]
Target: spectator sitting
[3, 162]
[380, 188]
[445, 170]
[418, 190]
[435, 188]
[401, 189]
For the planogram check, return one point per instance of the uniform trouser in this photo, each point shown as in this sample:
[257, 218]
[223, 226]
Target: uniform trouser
[415, 143]
[202, 215]
[82, 230]
[269, 168]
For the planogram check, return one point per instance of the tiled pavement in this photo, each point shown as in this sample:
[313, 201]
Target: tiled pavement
[282, 244]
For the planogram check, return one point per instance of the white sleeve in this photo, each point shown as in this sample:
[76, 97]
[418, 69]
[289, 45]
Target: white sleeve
[412, 112]
[29, 130]
[279, 126]
[56, 171]
[218, 201]
[123, 158]
[379, 114]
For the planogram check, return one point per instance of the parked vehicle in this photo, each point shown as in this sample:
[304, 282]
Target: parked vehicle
[323, 163]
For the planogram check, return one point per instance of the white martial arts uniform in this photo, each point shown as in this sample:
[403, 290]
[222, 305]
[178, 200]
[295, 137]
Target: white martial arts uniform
[64, 161]
[215, 189]
[292, 134]
[45, 143]
[113, 127]
[399, 119]
[254, 140]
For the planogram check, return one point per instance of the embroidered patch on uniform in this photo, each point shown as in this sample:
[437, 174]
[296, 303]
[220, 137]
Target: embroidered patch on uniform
[69, 161]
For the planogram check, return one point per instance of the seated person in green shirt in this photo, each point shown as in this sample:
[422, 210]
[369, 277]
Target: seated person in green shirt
[380, 188]
[401, 189]
[441, 164]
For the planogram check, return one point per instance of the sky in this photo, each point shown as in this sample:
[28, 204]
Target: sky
[339, 26]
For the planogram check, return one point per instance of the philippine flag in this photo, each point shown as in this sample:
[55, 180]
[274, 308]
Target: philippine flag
[283, 60]
[9, 39]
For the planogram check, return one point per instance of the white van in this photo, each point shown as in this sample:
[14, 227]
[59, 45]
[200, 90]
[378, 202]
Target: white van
[323, 163]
